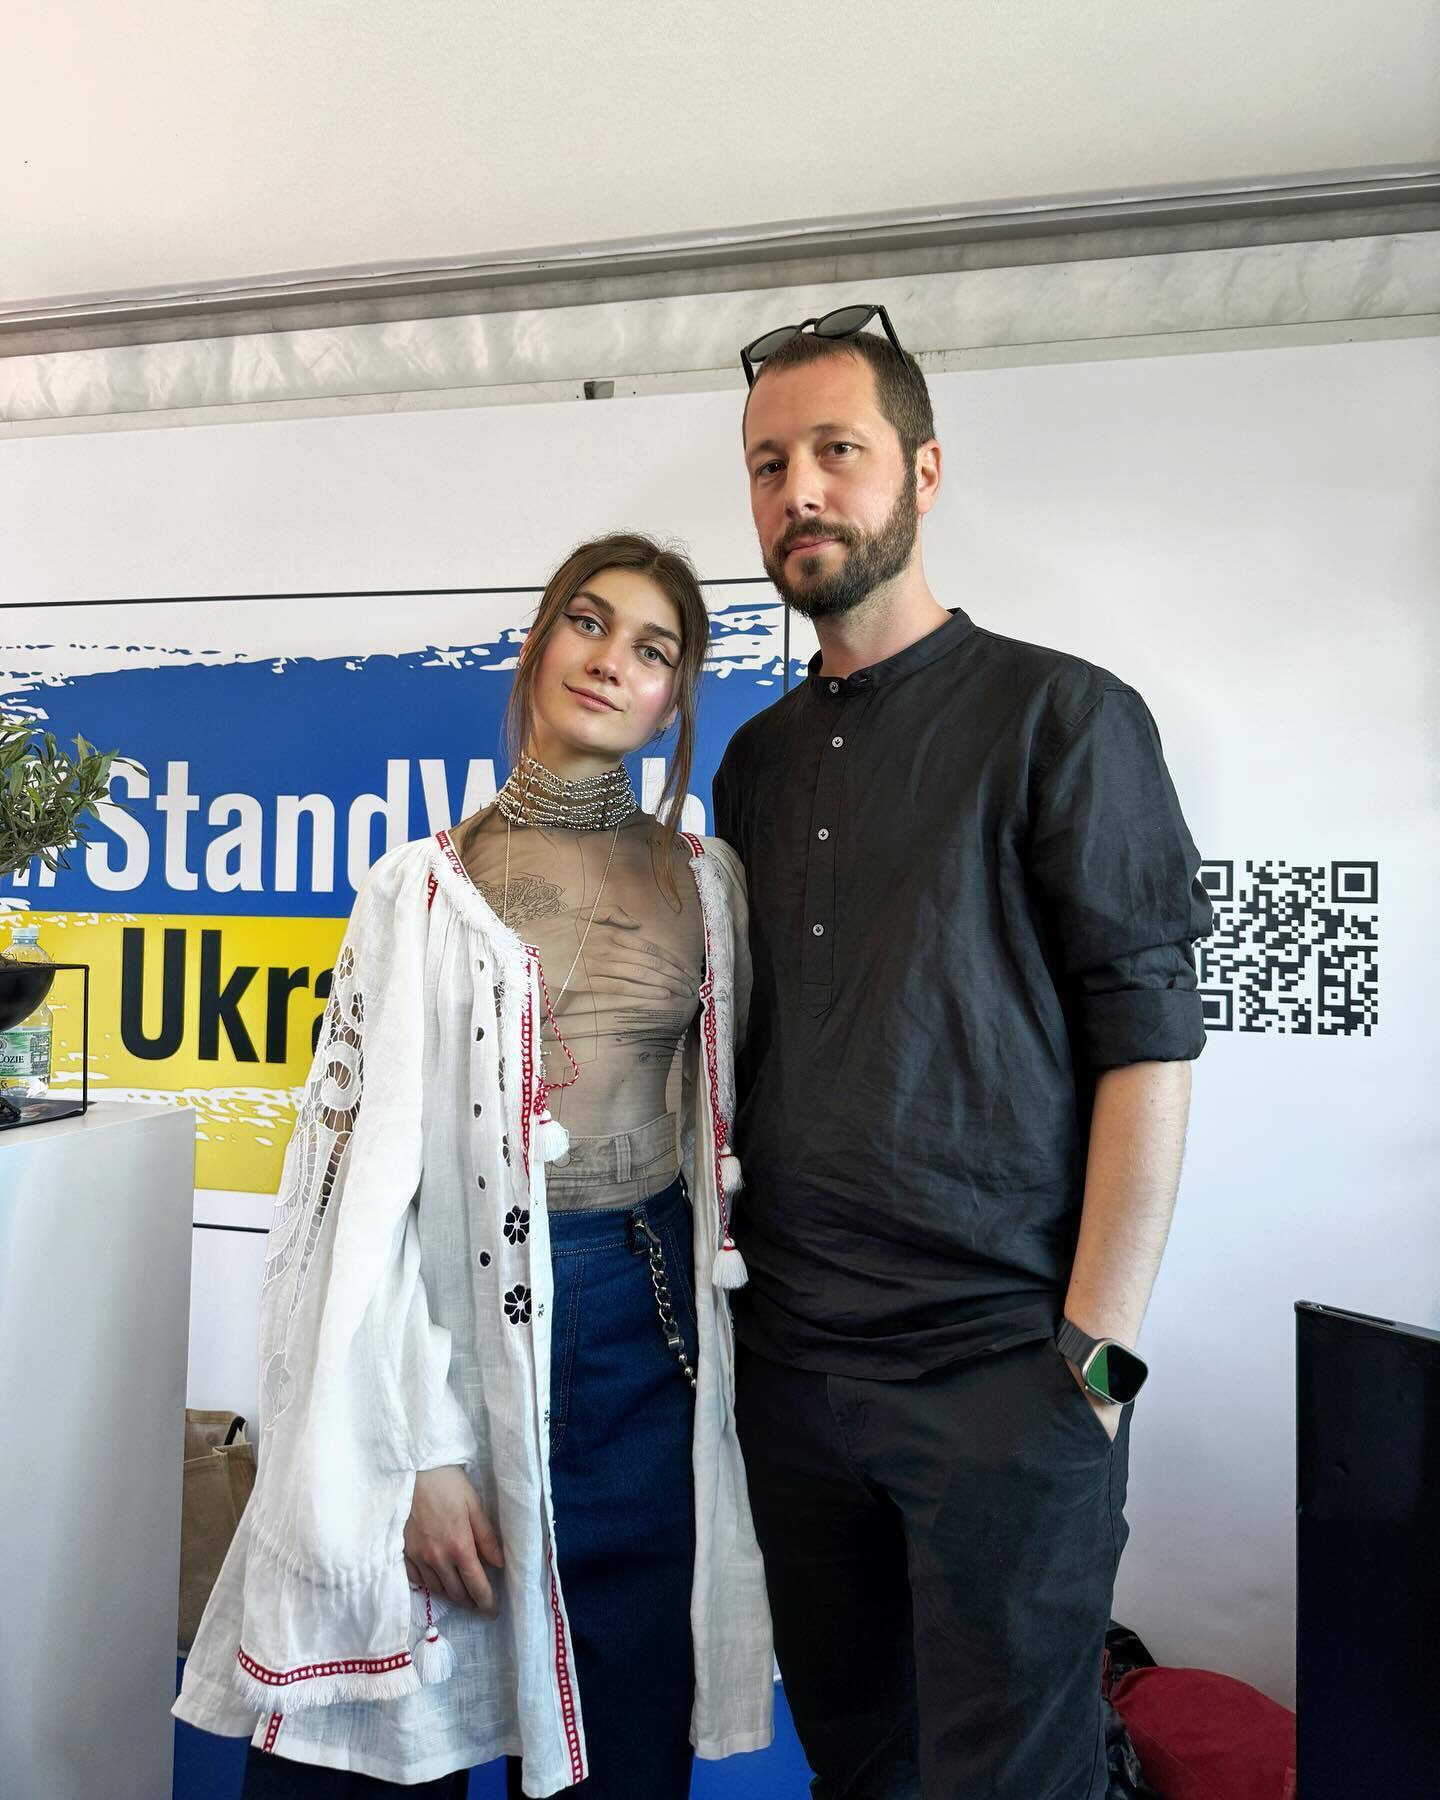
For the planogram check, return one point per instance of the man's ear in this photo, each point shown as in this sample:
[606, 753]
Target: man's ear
[927, 475]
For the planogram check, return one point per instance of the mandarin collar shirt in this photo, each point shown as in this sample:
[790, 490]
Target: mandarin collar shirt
[971, 891]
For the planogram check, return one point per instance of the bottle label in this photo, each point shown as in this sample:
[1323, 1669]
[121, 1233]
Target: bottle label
[24, 1055]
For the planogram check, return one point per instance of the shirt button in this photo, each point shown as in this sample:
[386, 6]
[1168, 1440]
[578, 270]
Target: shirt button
[822, 834]
[819, 930]
[834, 687]
[836, 742]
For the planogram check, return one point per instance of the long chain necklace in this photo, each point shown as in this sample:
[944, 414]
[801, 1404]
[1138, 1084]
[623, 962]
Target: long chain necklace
[505, 908]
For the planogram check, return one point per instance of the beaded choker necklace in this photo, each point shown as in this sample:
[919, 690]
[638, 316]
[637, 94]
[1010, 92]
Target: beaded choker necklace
[534, 796]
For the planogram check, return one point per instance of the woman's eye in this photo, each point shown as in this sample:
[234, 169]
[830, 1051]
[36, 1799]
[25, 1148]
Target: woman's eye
[583, 619]
[651, 654]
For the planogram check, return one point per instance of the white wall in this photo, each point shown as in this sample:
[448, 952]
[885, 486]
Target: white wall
[169, 144]
[1250, 538]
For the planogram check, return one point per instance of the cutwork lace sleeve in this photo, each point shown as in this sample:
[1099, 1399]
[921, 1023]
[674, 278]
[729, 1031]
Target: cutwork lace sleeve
[324, 1125]
[415, 1426]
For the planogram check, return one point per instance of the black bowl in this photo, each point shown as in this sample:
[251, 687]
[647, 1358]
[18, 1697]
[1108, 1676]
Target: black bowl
[22, 987]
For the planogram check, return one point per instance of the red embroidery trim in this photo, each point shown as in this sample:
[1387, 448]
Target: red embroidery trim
[430, 886]
[562, 1681]
[527, 1068]
[712, 1063]
[354, 1665]
[722, 1128]
[452, 856]
[272, 1732]
[534, 1102]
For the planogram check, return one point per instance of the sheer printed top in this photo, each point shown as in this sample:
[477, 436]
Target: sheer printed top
[623, 958]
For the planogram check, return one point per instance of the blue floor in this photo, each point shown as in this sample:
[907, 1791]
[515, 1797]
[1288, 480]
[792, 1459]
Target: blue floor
[213, 1768]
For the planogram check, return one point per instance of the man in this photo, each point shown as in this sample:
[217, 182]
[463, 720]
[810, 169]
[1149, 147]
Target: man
[961, 1112]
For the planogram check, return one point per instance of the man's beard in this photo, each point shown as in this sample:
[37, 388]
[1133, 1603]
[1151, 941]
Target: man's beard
[871, 559]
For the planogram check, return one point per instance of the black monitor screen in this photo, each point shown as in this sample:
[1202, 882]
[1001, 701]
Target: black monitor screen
[1368, 1600]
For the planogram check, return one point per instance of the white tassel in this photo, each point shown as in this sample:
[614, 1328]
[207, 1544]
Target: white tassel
[728, 1269]
[434, 1657]
[552, 1140]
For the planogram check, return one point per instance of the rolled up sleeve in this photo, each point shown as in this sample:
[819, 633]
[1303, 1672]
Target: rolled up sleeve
[1117, 873]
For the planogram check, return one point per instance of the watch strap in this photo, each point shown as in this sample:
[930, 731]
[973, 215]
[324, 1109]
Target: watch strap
[1074, 1343]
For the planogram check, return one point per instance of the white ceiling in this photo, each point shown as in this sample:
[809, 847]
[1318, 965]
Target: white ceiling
[171, 143]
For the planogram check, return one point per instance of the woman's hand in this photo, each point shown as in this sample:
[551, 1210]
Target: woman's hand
[619, 960]
[448, 1541]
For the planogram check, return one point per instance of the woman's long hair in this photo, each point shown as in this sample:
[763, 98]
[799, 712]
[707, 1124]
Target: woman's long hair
[672, 571]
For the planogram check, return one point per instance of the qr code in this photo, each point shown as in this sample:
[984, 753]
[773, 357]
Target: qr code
[1295, 948]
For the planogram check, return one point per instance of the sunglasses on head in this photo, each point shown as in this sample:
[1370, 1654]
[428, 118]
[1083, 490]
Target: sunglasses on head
[844, 322]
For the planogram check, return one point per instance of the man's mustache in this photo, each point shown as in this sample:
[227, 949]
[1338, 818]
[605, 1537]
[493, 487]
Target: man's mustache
[799, 534]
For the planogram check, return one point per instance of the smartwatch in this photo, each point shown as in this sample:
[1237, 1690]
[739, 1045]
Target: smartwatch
[1109, 1371]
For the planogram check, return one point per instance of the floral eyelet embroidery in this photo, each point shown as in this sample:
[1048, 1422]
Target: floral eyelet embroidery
[517, 1306]
[517, 1224]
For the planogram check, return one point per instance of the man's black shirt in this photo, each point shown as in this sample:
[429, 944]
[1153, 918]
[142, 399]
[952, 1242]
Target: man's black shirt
[971, 890]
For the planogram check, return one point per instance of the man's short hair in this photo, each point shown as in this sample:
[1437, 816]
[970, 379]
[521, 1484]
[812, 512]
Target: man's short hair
[900, 390]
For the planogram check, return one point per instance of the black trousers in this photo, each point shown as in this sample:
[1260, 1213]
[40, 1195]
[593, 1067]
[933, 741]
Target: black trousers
[940, 1555]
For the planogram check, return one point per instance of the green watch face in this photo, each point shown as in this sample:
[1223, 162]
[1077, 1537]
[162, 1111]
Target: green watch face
[1116, 1373]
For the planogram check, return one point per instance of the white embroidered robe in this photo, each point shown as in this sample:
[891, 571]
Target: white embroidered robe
[414, 1191]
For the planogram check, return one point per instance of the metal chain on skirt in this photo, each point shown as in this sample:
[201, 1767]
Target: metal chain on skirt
[660, 1281]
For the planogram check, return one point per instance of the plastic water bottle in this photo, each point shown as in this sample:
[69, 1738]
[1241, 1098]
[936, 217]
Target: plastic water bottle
[25, 1048]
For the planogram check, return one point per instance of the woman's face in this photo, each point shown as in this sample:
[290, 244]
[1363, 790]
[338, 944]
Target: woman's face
[607, 675]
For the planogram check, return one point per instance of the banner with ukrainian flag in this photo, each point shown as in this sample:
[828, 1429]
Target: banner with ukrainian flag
[281, 744]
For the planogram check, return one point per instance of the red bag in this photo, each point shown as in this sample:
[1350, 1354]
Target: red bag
[1201, 1736]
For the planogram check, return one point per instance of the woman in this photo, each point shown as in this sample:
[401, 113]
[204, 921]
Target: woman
[498, 1472]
